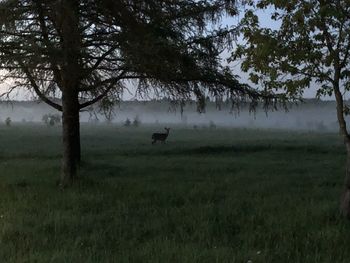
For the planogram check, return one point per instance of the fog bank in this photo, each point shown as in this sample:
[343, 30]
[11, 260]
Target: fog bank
[311, 115]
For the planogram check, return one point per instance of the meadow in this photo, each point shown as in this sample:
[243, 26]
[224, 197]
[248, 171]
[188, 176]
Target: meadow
[207, 195]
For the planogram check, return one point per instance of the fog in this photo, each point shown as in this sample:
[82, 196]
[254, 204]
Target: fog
[311, 115]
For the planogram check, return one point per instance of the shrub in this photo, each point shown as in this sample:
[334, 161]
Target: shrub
[8, 121]
[136, 122]
[51, 119]
[127, 122]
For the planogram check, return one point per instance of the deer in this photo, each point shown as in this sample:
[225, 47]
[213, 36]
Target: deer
[160, 136]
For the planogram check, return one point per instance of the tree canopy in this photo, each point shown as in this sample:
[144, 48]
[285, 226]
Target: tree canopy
[168, 48]
[311, 44]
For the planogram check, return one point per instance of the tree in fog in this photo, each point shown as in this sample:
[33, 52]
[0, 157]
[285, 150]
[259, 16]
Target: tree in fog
[74, 53]
[312, 44]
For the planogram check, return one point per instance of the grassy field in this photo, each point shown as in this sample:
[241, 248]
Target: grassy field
[224, 195]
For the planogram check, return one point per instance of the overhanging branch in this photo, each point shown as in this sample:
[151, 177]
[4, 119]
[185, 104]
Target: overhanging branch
[37, 89]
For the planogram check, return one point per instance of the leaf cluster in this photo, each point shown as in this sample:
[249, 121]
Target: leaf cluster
[310, 44]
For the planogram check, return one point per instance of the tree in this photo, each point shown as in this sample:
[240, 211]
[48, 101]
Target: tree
[127, 122]
[51, 119]
[136, 122]
[8, 121]
[84, 52]
[310, 45]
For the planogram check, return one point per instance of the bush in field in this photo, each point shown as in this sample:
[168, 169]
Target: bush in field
[136, 122]
[8, 121]
[212, 125]
[45, 119]
[127, 122]
[51, 119]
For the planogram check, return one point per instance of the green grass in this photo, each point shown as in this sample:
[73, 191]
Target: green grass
[224, 195]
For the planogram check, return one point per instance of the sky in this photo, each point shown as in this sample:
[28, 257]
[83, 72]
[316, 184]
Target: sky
[265, 21]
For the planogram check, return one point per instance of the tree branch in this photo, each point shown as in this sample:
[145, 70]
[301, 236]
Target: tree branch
[100, 60]
[97, 98]
[44, 29]
[37, 89]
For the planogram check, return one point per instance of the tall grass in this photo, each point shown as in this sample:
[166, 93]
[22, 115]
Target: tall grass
[205, 196]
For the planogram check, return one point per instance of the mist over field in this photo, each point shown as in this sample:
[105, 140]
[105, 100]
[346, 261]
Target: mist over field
[310, 115]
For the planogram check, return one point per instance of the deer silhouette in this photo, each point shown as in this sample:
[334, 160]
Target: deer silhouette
[160, 136]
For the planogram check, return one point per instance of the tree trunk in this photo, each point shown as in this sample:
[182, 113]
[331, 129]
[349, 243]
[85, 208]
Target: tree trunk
[77, 142]
[345, 198]
[71, 44]
[71, 137]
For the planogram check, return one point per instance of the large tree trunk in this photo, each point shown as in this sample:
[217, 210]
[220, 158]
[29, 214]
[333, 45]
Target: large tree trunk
[71, 137]
[71, 42]
[345, 198]
[77, 143]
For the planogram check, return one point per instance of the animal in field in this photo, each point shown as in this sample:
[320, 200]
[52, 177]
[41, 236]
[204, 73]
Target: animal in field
[160, 136]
